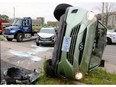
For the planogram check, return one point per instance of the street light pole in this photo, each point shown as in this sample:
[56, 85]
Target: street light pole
[14, 12]
[103, 12]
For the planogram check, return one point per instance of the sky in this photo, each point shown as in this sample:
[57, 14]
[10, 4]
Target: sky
[41, 8]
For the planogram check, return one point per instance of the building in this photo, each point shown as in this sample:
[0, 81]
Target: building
[40, 21]
[112, 20]
[52, 23]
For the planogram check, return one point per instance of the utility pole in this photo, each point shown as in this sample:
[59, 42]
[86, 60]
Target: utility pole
[14, 12]
[102, 12]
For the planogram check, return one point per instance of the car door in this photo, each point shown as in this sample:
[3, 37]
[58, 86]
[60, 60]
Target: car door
[98, 46]
[26, 26]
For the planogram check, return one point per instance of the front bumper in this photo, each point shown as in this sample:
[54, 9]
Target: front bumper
[46, 41]
[9, 36]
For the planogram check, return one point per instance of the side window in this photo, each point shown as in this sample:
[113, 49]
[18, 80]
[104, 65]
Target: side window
[25, 23]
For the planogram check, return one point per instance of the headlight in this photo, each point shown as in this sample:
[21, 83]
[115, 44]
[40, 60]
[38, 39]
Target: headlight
[78, 76]
[90, 15]
[12, 31]
[52, 37]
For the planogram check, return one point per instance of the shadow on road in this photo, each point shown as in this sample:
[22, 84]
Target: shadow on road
[112, 44]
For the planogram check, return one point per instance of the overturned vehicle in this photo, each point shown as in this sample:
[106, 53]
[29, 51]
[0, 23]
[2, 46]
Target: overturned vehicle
[80, 43]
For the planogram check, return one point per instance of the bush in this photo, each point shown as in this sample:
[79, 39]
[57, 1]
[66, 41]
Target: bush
[36, 27]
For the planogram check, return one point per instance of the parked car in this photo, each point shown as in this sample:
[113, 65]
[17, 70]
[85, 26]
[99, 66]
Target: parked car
[111, 36]
[46, 36]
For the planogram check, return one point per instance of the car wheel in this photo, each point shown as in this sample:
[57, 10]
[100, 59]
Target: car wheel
[60, 10]
[37, 44]
[0, 32]
[9, 39]
[109, 41]
[19, 37]
[48, 68]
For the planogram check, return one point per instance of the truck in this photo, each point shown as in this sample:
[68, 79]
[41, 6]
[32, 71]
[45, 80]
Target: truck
[20, 29]
[1, 28]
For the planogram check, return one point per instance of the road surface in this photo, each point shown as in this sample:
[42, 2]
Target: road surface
[26, 55]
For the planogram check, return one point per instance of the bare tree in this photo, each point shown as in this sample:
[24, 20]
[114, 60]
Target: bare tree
[107, 9]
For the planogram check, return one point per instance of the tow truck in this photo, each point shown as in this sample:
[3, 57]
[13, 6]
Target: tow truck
[20, 29]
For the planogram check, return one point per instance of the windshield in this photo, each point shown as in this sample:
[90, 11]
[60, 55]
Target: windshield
[17, 22]
[47, 30]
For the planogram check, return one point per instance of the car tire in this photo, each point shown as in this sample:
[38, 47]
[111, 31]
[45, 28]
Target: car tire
[0, 33]
[19, 37]
[109, 41]
[60, 10]
[9, 39]
[37, 44]
[48, 68]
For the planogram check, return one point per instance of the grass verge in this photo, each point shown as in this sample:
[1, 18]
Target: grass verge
[100, 76]
[44, 80]
[96, 77]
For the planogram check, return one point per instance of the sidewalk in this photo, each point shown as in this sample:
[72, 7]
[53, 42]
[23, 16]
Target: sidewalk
[109, 67]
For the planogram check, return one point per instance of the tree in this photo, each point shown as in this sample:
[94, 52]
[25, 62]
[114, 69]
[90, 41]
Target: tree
[107, 9]
[4, 17]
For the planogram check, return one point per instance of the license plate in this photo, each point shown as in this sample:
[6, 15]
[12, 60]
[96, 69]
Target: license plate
[66, 44]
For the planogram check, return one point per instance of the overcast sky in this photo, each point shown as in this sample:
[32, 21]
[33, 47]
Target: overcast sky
[40, 8]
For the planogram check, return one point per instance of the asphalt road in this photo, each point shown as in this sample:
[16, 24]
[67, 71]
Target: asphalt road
[27, 56]
[110, 53]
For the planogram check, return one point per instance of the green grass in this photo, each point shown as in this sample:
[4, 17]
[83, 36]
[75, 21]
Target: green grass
[98, 77]
[43, 80]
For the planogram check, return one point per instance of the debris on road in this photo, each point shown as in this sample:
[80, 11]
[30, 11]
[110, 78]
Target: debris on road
[17, 76]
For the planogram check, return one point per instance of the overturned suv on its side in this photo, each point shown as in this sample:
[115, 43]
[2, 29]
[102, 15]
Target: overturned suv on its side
[80, 43]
